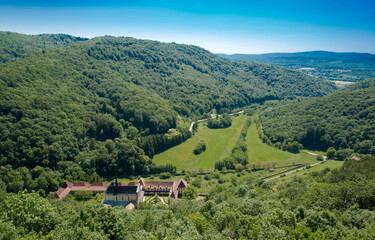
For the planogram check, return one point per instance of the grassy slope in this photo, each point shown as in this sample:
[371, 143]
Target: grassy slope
[331, 164]
[260, 152]
[220, 143]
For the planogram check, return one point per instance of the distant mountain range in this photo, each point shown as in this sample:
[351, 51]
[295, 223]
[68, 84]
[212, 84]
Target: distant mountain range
[332, 66]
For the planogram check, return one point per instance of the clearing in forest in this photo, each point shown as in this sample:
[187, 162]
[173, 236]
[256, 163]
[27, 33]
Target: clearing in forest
[260, 152]
[219, 142]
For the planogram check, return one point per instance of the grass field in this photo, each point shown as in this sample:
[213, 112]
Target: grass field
[261, 152]
[220, 143]
[331, 164]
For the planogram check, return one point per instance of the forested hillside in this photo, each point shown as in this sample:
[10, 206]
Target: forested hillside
[14, 45]
[105, 103]
[343, 120]
[325, 65]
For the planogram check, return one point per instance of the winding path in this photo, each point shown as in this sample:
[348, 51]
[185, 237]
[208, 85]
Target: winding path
[299, 169]
[191, 126]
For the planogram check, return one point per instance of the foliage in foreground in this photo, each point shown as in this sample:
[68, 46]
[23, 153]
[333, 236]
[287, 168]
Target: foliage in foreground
[337, 204]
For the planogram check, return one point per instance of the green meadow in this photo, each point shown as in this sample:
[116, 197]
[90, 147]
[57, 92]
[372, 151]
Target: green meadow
[330, 164]
[219, 142]
[260, 152]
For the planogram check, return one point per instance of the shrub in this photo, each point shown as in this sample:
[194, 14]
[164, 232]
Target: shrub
[331, 153]
[239, 167]
[165, 175]
[207, 177]
[190, 193]
[199, 148]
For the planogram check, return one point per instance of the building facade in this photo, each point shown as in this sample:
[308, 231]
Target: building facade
[118, 194]
[131, 194]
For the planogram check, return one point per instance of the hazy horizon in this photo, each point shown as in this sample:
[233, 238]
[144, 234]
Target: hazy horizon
[237, 27]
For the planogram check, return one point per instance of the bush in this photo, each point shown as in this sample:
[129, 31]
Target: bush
[221, 180]
[197, 182]
[165, 175]
[319, 158]
[239, 167]
[219, 165]
[222, 122]
[201, 147]
[83, 194]
[190, 193]
[294, 147]
[207, 177]
[331, 153]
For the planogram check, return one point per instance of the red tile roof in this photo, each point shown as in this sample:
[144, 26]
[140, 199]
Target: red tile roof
[67, 187]
[98, 184]
[356, 158]
[182, 183]
[81, 184]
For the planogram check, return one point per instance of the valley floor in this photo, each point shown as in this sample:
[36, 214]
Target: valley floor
[220, 143]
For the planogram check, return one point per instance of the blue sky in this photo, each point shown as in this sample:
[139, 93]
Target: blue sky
[235, 26]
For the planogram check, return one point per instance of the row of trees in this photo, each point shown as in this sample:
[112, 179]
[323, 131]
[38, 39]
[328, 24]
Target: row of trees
[238, 158]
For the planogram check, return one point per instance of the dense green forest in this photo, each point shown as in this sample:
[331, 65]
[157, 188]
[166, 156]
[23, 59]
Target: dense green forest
[82, 110]
[325, 65]
[14, 46]
[344, 120]
[109, 104]
[330, 204]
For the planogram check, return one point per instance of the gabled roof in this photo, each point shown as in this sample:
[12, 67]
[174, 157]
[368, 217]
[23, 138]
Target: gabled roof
[142, 181]
[158, 184]
[67, 184]
[113, 189]
[81, 184]
[152, 184]
[182, 183]
[98, 184]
